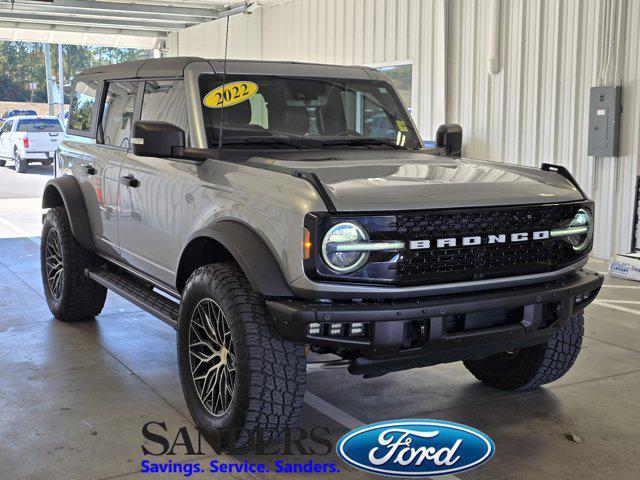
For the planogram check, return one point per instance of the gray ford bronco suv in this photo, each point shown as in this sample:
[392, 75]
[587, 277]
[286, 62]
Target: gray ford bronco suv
[265, 209]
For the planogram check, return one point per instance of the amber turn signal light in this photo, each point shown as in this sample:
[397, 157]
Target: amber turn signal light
[307, 244]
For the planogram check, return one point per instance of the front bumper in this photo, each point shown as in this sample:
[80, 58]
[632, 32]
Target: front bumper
[397, 335]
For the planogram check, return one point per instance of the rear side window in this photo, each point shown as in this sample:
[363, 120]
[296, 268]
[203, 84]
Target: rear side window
[39, 125]
[117, 114]
[83, 99]
[164, 100]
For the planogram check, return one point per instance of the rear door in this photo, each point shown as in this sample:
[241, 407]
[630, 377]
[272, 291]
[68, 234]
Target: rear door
[112, 142]
[5, 139]
[80, 155]
[151, 205]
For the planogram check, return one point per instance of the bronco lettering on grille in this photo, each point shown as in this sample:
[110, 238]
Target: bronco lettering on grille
[478, 240]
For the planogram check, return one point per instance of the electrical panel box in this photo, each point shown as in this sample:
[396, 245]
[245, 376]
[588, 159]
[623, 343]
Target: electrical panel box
[605, 108]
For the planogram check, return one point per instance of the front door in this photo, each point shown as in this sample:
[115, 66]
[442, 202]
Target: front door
[150, 200]
[151, 191]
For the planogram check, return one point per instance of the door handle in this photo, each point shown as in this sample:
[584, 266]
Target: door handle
[130, 181]
[88, 169]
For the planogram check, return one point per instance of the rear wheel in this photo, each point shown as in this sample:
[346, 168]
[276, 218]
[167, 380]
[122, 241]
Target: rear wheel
[237, 374]
[19, 163]
[530, 367]
[3, 163]
[70, 294]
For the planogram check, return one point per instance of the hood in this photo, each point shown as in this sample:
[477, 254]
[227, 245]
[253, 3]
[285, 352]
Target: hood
[381, 180]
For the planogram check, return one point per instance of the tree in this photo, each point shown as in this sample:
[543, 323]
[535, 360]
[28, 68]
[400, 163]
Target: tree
[22, 63]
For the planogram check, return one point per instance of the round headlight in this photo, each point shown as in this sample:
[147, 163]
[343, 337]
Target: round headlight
[344, 261]
[582, 219]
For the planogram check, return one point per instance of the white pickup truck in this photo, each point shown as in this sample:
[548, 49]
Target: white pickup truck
[28, 139]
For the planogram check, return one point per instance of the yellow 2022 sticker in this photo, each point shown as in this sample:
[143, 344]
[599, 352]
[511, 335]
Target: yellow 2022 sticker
[234, 93]
[402, 126]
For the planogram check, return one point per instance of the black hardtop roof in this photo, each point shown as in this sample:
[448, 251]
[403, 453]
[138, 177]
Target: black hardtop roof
[142, 68]
[174, 67]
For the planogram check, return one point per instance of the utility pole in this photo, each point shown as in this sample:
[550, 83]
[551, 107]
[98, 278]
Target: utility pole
[60, 82]
[47, 68]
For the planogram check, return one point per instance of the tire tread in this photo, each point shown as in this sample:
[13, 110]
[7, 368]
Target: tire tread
[82, 298]
[277, 367]
[541, 364]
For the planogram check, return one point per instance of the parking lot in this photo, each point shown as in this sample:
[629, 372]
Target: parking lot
[74, 397]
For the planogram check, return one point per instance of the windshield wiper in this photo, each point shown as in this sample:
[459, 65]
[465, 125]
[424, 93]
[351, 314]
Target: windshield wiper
[363, 141]
[271, 141]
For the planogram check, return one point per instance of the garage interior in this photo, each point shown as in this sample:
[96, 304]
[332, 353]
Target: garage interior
[516, 75]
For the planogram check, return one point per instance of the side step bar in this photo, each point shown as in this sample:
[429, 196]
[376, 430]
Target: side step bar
[145, 298]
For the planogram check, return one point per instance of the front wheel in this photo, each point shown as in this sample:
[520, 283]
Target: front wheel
[530, 367]
[238, 375]
[19, 163]
[3, 163]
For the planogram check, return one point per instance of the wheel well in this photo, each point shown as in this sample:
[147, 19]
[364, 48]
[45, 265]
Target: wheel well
[199, 252]
[51, 198]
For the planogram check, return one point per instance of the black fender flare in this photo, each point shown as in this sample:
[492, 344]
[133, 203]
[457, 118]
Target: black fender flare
[252, 255]
[65, 192]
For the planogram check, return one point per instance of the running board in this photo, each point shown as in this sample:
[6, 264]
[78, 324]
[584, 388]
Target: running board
[145, 298]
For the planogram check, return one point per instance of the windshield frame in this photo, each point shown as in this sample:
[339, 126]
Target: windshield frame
[412, 141]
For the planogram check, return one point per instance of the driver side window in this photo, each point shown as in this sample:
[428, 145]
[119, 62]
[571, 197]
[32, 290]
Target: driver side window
[117, 114]
[165, 101]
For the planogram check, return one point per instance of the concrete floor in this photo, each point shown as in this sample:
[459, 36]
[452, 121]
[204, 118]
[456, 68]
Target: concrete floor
[74, 397]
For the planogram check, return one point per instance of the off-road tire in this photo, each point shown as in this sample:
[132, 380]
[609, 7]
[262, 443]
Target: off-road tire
[270, 371]
[81, 298]
[530, 367]
[19, 164]
[3, 163]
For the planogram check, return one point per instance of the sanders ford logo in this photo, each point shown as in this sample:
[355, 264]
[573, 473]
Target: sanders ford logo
[415, 448]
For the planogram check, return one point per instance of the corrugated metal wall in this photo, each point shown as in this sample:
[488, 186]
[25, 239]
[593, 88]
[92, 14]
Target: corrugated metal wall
[207, 39]
[534, 110]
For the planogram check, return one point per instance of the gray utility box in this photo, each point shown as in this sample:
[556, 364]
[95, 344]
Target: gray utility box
[605, 108]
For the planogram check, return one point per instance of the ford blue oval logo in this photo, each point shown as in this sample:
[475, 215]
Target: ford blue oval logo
[415, 448]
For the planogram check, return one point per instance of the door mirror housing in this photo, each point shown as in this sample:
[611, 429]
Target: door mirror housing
[449, 137]
[157, 139]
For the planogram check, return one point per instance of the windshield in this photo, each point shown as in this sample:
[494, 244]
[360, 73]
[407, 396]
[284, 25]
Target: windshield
[39, 125]
[300, 112]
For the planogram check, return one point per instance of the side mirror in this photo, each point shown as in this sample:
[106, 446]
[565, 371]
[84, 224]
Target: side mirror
[449, 136]
[157, 139]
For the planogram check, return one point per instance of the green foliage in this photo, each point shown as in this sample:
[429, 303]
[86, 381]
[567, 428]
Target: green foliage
[82, 117]
[22, 63]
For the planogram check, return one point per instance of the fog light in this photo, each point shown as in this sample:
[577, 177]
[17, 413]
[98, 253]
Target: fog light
[582, 298]
[335, 329]
[314, 329]
[356, 330]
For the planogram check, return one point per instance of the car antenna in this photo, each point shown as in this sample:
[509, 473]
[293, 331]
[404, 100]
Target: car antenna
[224, 84]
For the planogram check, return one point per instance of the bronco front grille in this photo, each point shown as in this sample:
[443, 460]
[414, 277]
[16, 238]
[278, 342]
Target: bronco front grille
[482, 261]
